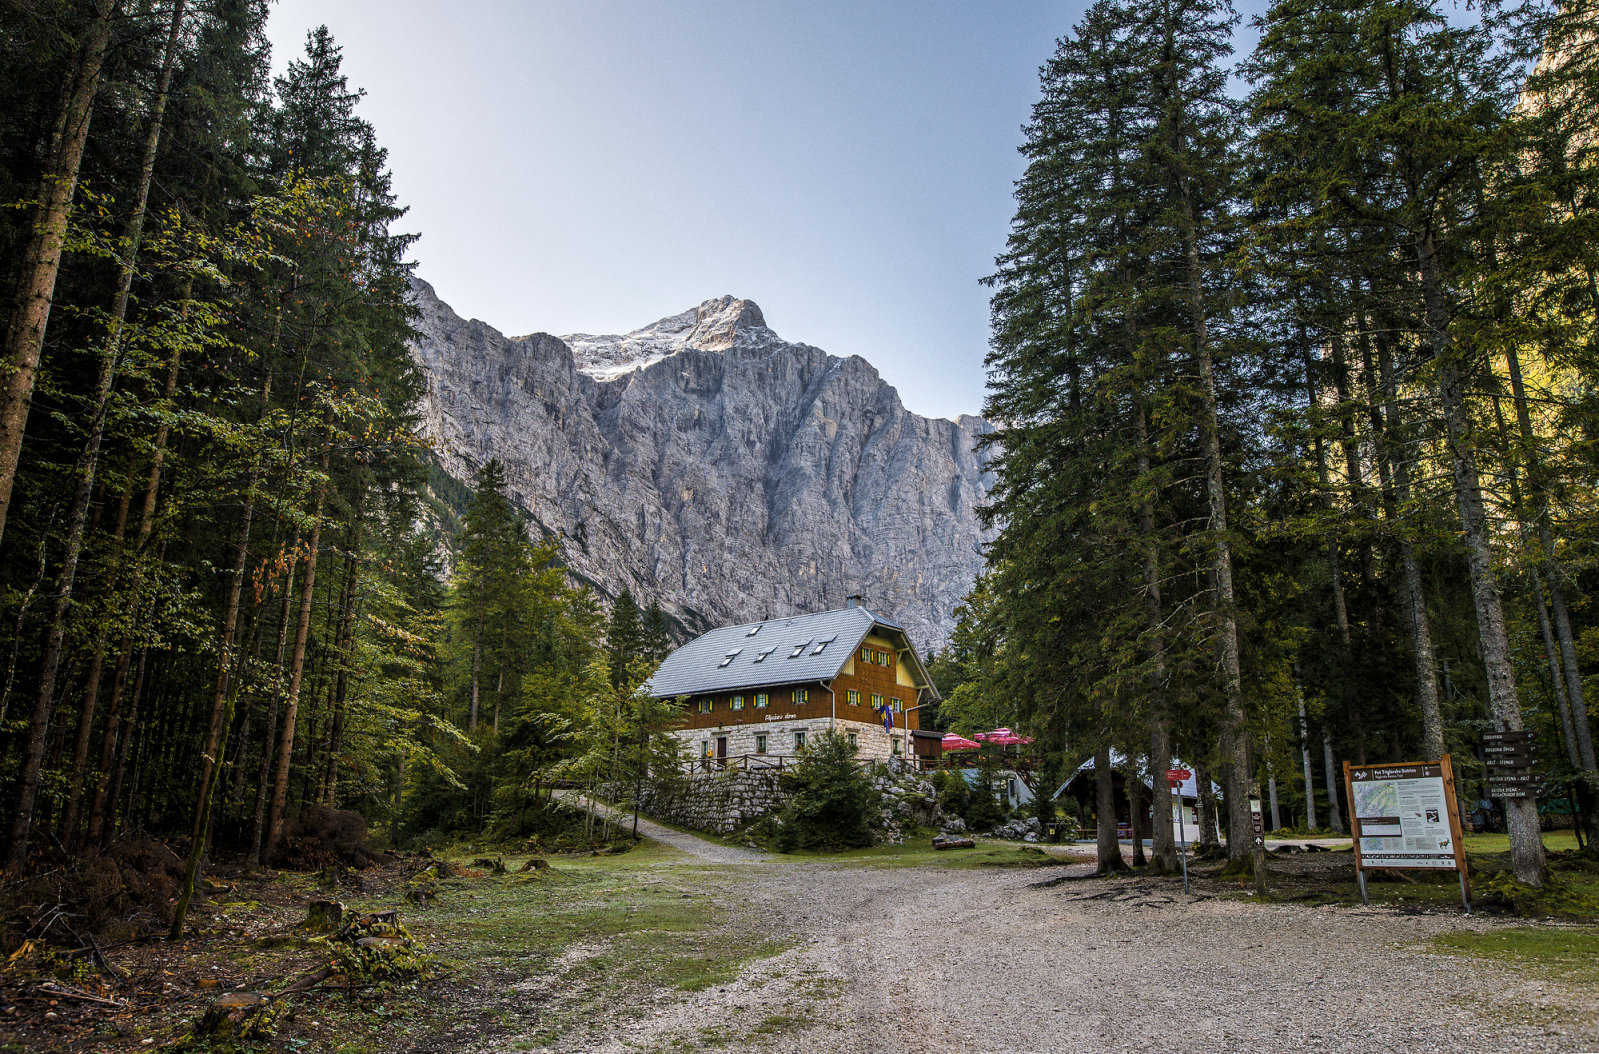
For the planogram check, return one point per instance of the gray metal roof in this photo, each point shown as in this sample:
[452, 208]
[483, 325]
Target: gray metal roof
[759, 654]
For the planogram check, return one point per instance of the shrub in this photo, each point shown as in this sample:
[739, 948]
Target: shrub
[983, 810]
[833, 800]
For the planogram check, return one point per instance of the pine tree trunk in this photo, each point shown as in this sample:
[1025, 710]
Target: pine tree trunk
[215, 742]
[41, 259]
[1135, 811]
[1334, 817]
[1557, 684]
[1304, 750]
[124, 755]
[280, 787]
[1205, 811]
[1163, 840]
[1391, 450]
[477, 674]
[132, 240]
[1235, 736]
[55, 634]
[346, 637]
[1108, 848]
[270, 731]
[1348, 700]
[1521, 813]
[1560, 616]
[93, 679]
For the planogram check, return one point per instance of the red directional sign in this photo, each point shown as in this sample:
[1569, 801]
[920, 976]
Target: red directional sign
[1176, 776]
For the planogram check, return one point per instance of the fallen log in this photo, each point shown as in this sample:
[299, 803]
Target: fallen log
[953, 843]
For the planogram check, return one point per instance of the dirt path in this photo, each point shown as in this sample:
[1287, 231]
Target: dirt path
[929, 960]
[700, 848]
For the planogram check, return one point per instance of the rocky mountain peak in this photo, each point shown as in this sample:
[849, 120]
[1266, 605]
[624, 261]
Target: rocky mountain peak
[722, 324]
[707, 463]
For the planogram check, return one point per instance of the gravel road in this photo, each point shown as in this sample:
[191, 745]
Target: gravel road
[908, 960]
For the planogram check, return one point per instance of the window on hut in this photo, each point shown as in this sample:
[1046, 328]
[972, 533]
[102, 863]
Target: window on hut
[760, 744]
[760, 700]
[736, 703]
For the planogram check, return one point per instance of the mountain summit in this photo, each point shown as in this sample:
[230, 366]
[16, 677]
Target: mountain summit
[716, 325]
[708, 463]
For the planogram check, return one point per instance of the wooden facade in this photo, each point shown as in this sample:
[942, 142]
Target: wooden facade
[864, 676]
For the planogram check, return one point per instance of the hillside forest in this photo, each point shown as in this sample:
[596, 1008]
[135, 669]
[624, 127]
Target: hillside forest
[1292, 372]
[236, 587]
[1294, 376]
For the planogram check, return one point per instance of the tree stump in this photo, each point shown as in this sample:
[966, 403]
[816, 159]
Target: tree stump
[494, 866]
[323, 916]
[535, 863]
[238, 1015]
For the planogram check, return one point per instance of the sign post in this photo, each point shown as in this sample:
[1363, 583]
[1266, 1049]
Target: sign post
[1510, 761]
[1257, 850]
[1174, 780]
[1406, 816]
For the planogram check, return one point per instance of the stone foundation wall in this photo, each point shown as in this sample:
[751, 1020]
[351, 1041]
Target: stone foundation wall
[715, 801]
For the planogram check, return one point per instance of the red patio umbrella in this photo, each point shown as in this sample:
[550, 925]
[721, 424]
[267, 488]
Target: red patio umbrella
[954, 742]
[1003, 736]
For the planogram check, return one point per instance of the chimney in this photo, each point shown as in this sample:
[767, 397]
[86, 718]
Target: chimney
[854, 600]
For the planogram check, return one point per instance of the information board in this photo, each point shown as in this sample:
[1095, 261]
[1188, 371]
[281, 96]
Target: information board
[1406, 816]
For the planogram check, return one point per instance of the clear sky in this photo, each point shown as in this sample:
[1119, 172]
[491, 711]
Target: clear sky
[594, 165]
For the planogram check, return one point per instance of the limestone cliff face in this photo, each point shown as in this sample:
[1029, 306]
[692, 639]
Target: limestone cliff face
[708, 463]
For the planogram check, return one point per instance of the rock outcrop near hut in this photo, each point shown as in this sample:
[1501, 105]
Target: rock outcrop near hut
[708, 463]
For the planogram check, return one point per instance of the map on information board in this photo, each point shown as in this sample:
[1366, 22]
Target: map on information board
[1402, 816]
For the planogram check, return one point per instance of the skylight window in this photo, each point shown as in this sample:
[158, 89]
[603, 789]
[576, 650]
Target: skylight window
[824, 642]
[728, 661]
[799, 649]
[761, 656]
[753, 630]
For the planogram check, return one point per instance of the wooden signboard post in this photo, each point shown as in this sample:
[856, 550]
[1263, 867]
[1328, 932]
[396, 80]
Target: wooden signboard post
[1406, 816]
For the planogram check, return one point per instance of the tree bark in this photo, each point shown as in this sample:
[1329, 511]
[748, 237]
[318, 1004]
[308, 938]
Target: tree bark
[1135, 810]
[1391, 450]
[1560, 616]
[1163, 841]
[119, 680]
[133, 239]
[1304, 750]
[1557, 685]
[1108, 848]
[1334, 818]
[280, 786]
[1521, 813]
[341, 679]
[41, 259]
[269, 733]
[1205, 810]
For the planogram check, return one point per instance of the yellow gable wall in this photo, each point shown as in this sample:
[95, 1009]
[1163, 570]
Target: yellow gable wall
[902, 670]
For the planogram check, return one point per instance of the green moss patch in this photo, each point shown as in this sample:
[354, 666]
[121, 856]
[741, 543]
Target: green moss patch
[1565, 953]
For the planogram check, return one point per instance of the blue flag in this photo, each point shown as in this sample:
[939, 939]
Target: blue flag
[888, 718]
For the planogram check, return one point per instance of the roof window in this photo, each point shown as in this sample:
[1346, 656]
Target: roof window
[799, 649]
[824, 642]
[753, 630]
[728, 661]
[761, 656]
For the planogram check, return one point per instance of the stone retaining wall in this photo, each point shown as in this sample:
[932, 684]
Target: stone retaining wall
[715, 801]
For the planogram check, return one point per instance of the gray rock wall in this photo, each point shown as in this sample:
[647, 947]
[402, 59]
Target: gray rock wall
[708, 463]
[716, 801]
